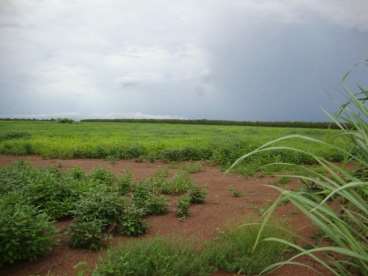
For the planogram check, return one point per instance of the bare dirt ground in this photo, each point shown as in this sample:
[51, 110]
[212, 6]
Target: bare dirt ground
[220, 210]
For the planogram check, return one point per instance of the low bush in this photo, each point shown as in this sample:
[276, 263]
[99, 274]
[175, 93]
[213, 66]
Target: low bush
[87, 235]
[156, 205]
[131, 223]
[103, 176]
[125, 182]
[197, 195]
[25, 233]
[182, 207]
[181, 183]
[155, 257]
[233, 250]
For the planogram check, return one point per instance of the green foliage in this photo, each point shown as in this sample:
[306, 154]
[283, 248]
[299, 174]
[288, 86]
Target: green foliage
[101, 175]
[182, 207]
[197, 194]
[193, 167]
[232, 250]
[156, 205]
[155, 257]
[87, 234]
[25, 233]
[234, 192]
[65, 121]
[179, 184]
[221, 145]
[131, 223]
[15, 135]
[125, 182]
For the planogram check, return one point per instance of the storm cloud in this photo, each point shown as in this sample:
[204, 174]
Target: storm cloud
[214, 59]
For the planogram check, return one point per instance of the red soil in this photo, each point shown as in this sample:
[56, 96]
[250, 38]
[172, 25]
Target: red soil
[220, 210]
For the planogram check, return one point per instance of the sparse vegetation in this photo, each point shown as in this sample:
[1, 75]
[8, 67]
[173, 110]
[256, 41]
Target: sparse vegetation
[234, 192]
[182, 207]
[197, 194]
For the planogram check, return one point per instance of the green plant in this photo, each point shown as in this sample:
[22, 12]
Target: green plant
[234, 192]
[193, 167]
[233, 250]
[87, 235]
[125, 182]
[131, 223]
[197, 194]
[156, 205]
[25, 233]
[181, 183]
[103, 176]
[154, 257]
[182, 207]
[345, 228]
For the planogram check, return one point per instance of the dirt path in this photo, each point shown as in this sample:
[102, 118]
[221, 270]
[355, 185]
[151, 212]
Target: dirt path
[220, 210]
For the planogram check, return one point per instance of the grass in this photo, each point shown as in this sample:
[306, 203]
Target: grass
[233, 250]
[155, 257]
[173, 142]
[344, 228]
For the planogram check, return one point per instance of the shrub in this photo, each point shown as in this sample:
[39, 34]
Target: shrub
[131, 223]
[100, 203]
[141, 193]
[180, 184]
[25, 233]
[233, 250]
[155, 257]
[103, 176]
[87, 234]
[182, 207]
[197, 195]
[125, 182]
[156, 205]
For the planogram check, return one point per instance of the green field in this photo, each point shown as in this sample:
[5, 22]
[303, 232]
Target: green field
[158, 141]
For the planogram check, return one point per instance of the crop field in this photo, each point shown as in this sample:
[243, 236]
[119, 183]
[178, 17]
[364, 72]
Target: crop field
[219, 144]
[75, 196]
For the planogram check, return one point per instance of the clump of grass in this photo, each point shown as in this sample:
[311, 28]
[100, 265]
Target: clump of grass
[345, 228]
[182, 207]
[197, 195]
[234, 249]
[234, 192]
[153, 257]
[181, 183]
[193, 167]
[125, 182]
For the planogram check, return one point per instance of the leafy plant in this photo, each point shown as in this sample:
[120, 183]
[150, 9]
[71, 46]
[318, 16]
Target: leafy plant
[131, 223]
[87, 234]
[182, 207]
[125, 182]
[234, 192]
[197, 194]
[181, 183]
[103, 176]
[156, 205]
[154, 257]
[25, 233]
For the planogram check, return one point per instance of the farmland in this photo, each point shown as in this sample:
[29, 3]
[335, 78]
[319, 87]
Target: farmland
[220, 144]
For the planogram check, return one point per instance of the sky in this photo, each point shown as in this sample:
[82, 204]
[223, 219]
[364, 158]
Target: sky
[265, 60]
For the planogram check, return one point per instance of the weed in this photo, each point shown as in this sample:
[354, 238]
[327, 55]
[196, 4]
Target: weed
[87, 234]
[182, 207]
[125, 182]
[181, 183]
[234, 192]
[193, 167]
[197, 194]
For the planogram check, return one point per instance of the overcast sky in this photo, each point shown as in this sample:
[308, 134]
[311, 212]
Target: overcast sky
[215, 59]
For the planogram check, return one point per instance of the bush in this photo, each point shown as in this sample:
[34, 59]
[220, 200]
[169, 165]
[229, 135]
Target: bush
[155, 257]
[131, 223]
[182, 207]
[25, 233]
[180, 184]
[156, 205]
[232, 250]
[125, 182]
[197, 195]
[102, 176]
[87, 235]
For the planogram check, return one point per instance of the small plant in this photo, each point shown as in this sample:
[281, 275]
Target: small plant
[193, 167]
[197, 195]
[182, 207]
[125, 182]
[25, 233]
[156, 257]
[77, 173]
[156, 205]
[234, 192]
[181, 183]
[102, 176]
[87, 235]
[131, 223]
